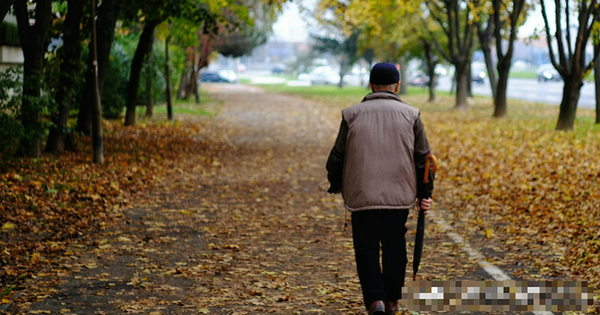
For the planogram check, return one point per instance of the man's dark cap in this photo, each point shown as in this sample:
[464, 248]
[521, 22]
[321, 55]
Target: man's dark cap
[384, 73]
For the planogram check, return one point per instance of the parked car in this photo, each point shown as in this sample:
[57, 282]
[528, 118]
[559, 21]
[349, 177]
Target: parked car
[478, 75]
[229, 75]
[278, 69]
[218, 76]
[323, 75]
[546, 72]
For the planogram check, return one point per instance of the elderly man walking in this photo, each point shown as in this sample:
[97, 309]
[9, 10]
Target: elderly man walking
[378, 164]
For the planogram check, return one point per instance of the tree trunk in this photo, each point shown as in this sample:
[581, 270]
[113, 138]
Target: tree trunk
[432, 61]
[470, 80]
[597, 82]
[144, 45]
[489, 65]
[342, 74]
[84, 117]
[500, 108]
[34, 42]
[70, 55]
[403, 82]
[192, 82]
[108, 14]
[568, 104]
[149, 96]
[195, 87]
[4, 7]
[97, 138]
[485, 40]
[462, 80]
[453, 83]
[168, 77]
[183, 86]
[149, 78]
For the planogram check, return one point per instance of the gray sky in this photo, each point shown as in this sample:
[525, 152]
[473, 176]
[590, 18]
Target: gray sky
[291, 26]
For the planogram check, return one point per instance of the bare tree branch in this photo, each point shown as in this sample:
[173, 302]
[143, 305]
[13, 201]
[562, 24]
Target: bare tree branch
[559, 40]
[437, 18]
[454, 14]
[436, 43]
[568, 30]
[549, 37]
[594, 12]
[467, 30]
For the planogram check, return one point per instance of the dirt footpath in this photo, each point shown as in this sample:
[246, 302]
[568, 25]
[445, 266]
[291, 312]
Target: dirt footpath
[246, 228]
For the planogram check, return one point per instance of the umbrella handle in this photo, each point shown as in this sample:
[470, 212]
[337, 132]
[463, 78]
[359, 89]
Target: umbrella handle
[430, 159]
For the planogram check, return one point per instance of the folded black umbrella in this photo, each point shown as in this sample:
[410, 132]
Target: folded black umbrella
[431, 161]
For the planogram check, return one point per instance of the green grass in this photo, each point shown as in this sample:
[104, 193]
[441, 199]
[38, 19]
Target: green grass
[330, 93]
[522, 75]
[522, 115]
[208, 107]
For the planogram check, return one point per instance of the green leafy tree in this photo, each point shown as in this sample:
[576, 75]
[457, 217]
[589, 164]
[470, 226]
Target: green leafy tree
[240, 36]
[388, 28]
[153, 13]
[10, 105]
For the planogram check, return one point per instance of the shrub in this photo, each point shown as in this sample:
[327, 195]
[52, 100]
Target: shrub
[9, 35]
[10, 100]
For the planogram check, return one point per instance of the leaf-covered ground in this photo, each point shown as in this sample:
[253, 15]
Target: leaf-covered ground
[517, 185]
[229, 215]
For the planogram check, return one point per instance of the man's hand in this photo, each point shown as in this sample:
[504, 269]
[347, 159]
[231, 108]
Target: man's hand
[424, 205]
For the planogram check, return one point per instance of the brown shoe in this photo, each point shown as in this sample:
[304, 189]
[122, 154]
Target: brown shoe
[377, 308]
[391, 308]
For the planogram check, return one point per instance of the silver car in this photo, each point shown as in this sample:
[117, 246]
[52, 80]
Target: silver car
[546, 72]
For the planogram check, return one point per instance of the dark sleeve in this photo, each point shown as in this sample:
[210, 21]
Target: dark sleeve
[421, 152]
[335, 162]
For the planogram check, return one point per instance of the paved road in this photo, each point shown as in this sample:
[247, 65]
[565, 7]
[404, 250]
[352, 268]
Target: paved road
[527, 89]
[532, 90]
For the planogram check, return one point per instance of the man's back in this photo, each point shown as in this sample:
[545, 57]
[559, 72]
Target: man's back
[378, 156]
[379, 171]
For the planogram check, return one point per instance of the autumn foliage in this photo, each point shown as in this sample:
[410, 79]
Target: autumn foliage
[47, 201]
[534, 189]
[524, 194]
[514, 184]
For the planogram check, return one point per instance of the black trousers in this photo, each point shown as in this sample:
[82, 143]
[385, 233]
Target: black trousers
[370, 230]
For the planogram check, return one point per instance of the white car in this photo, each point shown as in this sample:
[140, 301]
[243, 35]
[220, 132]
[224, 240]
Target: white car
[323, 75]
[229, 75]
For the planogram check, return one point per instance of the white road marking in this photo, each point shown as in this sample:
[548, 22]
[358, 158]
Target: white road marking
[492, 270]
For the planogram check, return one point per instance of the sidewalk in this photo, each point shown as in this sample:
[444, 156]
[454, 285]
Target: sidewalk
[247, 231]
